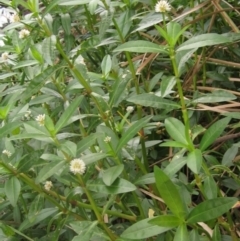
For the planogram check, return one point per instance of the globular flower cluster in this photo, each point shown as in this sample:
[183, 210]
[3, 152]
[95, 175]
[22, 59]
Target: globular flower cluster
[48, 185]
[77, 166]
[23, 33]
[162, 6]
[7, 153]
[41, 119]
[5, 56]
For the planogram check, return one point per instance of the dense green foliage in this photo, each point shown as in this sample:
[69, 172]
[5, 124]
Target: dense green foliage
[120, 122]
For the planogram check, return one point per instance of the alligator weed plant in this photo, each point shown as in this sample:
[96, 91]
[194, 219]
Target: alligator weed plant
[119, 120]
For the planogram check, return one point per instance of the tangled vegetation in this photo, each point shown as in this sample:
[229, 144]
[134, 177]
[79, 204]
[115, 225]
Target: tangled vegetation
[119, 120]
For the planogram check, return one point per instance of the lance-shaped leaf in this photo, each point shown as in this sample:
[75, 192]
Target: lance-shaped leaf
[169, 193]
[141, 46]
[211, 209]
[132, 131]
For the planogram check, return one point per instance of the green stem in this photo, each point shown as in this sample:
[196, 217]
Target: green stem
[180, 92]
[95, 209]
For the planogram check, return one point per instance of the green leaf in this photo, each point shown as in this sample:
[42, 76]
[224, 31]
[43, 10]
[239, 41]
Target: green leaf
[12, 190]
[131, 132]
[87, 230]
[194, 161]
[211, 209]
[145, 179]
[86, 142]
[169, 193]
[49, 170]
[36, 206]
[182, 233]
[143, 229]
[48, 49]
[111, 174]
[210, 187]
[229, 156]
[176, 130]
[154, 101]
[93, 157]
[175, 165]
[7, 128]
[106, 65]
[43, 214]
[166, 221]
[119, 186]
[203, 40]
[73, 2]
[38, 82]
[67, 114]
[141, 46]
[66, 23]
[213, 132]
[216, 234]
[25, 63]
[215, 97]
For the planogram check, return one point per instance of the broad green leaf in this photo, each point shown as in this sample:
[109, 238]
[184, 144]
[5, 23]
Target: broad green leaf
[4, 76]
[169, 193]
[118, 93]
[132, 131]
[67, 114]
[49, 170]
[166, 221]
[106, 65]
[43, 214]
[174, 166]
[141, 46]
[176, 130]
[38, 82]
[210, 187]
[8, 128]
[194, 236]
[173, 144]
[111, 174]
[203, 40]
[88, 228]
[213, 132]
[211, 209]
[167, 85]
[87, 142]
[145, 179]
[215, 97]
[66, 23]
[25, 63]
[182, 233]
[36, 206]
[143, 229]
[12, 190]
[229, 156]
[154, 101]
[93, 157]
[149, 20]
[194, 161]
[48, 46]
[73, 2]
[119, 186]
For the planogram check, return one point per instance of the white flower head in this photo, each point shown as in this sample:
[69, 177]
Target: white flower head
[77, 166]
[14, 18]
[162, 6]
[107, 139]
[48, 185]
[130, 109]
[7, 153]
[5, 56]
[23, 33]
[40, 119]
